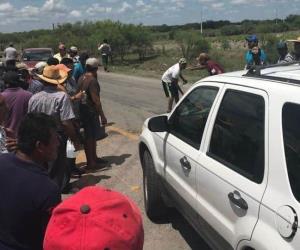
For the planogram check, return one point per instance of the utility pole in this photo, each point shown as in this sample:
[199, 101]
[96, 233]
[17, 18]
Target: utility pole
[201, 25]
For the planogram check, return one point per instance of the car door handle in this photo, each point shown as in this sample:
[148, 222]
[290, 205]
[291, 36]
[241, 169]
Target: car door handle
[185, 163]
[236, 199]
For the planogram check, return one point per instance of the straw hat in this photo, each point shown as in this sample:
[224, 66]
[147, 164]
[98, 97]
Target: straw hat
[295, 41]
[63, 67]
[54, 75]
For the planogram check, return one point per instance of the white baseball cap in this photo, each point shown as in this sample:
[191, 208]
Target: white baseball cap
[93, 62]
[73, 48]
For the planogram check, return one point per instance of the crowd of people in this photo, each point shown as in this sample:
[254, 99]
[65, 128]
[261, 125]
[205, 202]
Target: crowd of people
[56, 103]
[254, 56]
[41, 110]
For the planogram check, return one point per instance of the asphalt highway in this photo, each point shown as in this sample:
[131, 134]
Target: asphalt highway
[127, 102]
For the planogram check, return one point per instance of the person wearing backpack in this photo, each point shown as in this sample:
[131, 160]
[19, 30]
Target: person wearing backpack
[105, 51]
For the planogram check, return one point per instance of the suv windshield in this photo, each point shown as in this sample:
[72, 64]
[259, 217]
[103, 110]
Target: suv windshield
[37, 55]
[291, 137]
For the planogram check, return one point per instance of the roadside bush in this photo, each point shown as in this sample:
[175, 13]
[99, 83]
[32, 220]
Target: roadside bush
[268, 43]
[191, 44]
[231, 30]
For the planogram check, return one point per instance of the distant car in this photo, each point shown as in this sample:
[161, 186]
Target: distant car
[228, 158]
[32, 56]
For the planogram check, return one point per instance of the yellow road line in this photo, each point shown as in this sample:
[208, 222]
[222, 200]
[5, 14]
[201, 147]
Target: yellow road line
[123, 132]
[80, 158]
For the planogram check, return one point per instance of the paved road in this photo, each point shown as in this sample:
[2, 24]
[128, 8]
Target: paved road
[124, 174]
[127, 102]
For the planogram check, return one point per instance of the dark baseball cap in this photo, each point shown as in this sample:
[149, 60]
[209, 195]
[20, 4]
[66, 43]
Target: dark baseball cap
[11, 77]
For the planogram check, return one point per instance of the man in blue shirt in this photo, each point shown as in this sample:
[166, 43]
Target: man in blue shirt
[254, 55]
[27, 193]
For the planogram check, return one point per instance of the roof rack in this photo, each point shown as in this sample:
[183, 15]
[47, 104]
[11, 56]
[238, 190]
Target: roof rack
[255, 71]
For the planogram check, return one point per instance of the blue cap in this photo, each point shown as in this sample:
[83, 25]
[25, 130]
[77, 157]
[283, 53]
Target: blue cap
[252, 38]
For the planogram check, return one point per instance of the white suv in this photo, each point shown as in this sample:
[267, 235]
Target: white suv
[228, 158]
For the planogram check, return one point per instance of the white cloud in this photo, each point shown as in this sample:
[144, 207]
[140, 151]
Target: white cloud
[140, 3]
[75, 13]
[29, 11]
[159, 1]
[206, 1]
[97, 8]
[125, 6]
[217, 5]
[54, 6]
[239, 2]
[6, 7]
[178, 3]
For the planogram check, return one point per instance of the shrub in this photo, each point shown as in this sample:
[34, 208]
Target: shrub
[191, 44]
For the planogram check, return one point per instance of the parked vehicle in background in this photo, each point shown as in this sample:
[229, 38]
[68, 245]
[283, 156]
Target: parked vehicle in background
[228, 158]
[31, 56]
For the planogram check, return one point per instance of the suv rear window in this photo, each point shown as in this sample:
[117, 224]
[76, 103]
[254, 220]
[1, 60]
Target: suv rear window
[291, 138]
[238, 135]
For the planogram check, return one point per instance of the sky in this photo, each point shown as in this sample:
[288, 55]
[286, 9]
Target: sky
[25, 15]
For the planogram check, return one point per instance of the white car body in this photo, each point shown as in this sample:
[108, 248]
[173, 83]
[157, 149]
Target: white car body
[267, 216]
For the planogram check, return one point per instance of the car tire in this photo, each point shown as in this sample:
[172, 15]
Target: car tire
[153, 201]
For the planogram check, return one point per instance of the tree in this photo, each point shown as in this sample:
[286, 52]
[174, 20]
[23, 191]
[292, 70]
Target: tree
[191, 44]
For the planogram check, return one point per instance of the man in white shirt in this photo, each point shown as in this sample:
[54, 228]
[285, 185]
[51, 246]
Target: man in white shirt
[170, 82]
[10, 54]
[105, 51]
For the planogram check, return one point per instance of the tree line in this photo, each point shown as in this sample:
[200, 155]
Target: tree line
[128, 39]
[124, 38]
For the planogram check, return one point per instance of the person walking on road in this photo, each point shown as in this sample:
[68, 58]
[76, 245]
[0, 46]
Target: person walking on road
[90, 110]
[28, 194]
[170, 82]
[284, 55]
[105, 51]
[10, 54]
[204, 62]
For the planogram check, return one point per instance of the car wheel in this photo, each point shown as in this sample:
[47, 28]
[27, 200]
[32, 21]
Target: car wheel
[154, 204]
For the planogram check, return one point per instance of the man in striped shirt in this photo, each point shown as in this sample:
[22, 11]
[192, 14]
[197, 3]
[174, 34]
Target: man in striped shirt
[284, 55]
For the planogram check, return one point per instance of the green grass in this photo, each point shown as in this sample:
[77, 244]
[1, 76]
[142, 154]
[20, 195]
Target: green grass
[167, 53]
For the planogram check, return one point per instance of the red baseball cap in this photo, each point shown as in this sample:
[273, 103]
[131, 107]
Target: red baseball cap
[95, 218]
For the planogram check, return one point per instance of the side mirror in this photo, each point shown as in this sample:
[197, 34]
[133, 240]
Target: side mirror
[158, 124]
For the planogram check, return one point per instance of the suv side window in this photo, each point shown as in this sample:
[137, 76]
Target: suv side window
[238, 135]
[291, 138]
[189, 119]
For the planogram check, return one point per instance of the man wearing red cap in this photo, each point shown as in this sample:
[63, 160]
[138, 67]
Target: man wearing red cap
[95, 218]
